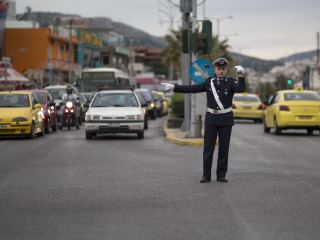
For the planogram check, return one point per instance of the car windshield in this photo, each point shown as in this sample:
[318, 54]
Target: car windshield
[246, 98]
[57, 92]
[14, 100]
[115, 100]
[147, 96]
[303, 96]
[41, 97]
[140, 97]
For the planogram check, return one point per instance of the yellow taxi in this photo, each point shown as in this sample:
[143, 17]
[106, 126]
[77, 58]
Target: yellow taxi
[20, 114]
[164, 102]
[247, 106]
[292, 109]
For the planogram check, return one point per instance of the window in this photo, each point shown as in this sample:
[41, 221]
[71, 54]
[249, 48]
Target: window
[306, 96]
[14, 100]
[115, 100]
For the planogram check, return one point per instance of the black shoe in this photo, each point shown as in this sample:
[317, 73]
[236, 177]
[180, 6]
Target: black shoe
[222, 179]
[205, 180]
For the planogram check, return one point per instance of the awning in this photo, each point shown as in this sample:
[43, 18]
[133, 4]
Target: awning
[12, 76]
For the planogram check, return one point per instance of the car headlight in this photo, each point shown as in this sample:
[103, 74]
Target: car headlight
[19, 119]
[152, 105]
[135, 117]
[88, 117]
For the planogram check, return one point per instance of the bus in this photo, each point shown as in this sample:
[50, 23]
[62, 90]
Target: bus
[93, 79]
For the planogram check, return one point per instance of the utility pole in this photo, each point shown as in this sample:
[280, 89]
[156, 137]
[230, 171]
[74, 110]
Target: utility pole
[70, 49]
[186, 9]
[194, 126]
[318, 49]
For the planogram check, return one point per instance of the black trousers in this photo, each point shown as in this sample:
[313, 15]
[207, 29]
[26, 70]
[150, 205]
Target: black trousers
[210, 138]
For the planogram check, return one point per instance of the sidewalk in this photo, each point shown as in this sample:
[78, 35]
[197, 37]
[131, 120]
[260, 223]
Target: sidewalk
[176, 136]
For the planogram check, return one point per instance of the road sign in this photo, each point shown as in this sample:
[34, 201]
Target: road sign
[200, 70]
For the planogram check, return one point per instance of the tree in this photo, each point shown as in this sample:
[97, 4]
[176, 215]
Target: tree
[172, 52]
[281, 82]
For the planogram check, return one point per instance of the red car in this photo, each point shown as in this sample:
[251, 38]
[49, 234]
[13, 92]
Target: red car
[49, 109]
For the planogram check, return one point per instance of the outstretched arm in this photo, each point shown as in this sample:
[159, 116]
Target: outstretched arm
[197, 88]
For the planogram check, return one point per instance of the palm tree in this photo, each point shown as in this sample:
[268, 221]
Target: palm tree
[172, 52]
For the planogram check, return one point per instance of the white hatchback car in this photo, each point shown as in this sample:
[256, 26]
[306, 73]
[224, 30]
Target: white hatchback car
[114, 111]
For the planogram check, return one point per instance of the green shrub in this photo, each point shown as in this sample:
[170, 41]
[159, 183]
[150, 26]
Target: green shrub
[177, 105]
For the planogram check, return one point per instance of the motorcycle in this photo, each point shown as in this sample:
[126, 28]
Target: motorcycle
[69, 116]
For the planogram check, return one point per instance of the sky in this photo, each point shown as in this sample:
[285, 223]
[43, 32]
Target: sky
[264, 29]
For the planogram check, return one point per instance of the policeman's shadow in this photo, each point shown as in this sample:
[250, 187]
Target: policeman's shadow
[113, 137]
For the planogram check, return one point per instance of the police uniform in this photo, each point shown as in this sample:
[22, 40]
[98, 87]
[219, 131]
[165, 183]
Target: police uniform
[218, 120]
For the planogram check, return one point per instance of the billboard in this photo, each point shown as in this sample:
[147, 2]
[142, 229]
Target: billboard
[4, 8]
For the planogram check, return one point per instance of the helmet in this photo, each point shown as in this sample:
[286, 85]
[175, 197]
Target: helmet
[69, 89]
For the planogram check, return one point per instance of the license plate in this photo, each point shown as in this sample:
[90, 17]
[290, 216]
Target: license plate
[305, 117]
[3, 126]
[113, 125]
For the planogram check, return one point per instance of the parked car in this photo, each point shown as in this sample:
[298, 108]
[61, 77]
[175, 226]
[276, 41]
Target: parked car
[292, 109]
[152, 110]
[49, 110]
[114, 111]
[158, 103]
[165, 102]
[21, 114]
[144, 103]
[248, 106]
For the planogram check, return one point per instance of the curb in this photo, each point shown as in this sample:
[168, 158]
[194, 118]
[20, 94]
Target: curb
[171, 136]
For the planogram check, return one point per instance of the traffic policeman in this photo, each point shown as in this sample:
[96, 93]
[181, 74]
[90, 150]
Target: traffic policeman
[219, 117]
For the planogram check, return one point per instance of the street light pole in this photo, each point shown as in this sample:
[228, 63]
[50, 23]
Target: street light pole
[193, 126]
[218, 22]
[70, 49]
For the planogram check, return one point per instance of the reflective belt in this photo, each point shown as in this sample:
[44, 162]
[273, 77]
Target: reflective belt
[214, 111]
[215, 95]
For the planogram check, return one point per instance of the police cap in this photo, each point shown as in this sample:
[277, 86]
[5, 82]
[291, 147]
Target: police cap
[220, 62]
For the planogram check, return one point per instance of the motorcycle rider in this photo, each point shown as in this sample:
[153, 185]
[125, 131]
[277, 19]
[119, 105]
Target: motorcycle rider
[69, 96]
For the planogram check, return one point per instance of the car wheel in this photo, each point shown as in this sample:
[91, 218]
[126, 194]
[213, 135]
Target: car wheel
[47, 127]
[265, 128]
[310, 131]
[276, 127]
[31, 135]
[90, 135]
[146, 123]
[54, 127]
[42, 130]
[140, 135]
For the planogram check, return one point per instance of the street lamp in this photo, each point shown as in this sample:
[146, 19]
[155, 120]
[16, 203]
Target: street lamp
[70, 48]
[218, 19]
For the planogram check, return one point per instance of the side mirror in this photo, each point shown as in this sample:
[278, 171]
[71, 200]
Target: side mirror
[37, 106]
[86, 105]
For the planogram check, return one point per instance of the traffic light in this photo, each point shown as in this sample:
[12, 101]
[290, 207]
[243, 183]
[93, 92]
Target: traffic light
[289, 81]
[201, 42]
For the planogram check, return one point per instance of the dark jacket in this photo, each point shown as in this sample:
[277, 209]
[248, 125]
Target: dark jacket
[225, 90]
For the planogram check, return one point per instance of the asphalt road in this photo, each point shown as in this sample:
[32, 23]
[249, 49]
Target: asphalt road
[64, 187]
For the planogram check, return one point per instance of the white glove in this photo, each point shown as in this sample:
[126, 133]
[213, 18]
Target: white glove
[167, 86]
[241, 71]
